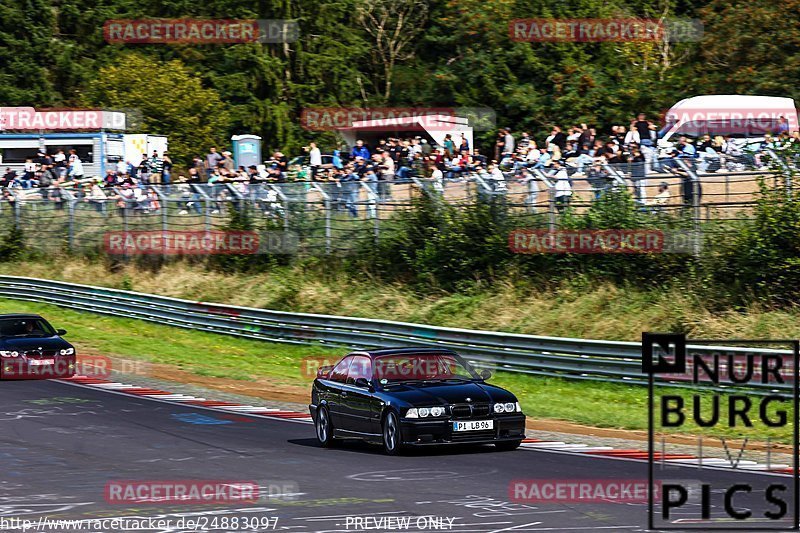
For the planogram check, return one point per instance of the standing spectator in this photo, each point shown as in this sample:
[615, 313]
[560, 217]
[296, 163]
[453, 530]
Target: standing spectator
[558, 138]
[563, 187]
[642, 127]
[143, 171]
[75, 165]
[632, 137]
[508, 142]
[463, 148]
[524, 141]
[60, 161]
[386, 177]
[213, 160]
[227, 163]
[166, 171]
[156, 167]
[359, 150]
[449, 145]
[314, 159]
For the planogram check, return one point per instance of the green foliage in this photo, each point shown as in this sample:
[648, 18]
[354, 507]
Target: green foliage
[55, 55]
[170, 98]
[12, 245]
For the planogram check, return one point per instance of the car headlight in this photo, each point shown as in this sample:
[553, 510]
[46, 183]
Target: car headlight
[4, 353]
[425, 412]
[68, 351]
[507, 407]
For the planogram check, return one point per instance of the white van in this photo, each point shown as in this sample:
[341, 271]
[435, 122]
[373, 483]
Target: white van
[748, 118]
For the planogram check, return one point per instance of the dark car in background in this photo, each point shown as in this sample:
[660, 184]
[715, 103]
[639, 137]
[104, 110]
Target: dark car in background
[30, 348]
[404, 397]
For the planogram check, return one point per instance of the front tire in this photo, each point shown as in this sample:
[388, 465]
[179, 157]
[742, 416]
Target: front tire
[392, 438]
[323, 427]
[507, 446]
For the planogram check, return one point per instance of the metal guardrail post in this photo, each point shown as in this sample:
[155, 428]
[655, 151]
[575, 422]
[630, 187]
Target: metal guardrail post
[327, 202]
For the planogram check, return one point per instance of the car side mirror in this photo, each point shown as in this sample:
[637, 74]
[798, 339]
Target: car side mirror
[60, 332]
[363, 383]
[485, 374]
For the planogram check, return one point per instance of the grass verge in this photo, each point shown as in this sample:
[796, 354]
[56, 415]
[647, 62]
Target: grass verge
[281, 365]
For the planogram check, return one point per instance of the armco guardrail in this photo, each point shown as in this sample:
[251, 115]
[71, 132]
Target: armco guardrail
[608, 361]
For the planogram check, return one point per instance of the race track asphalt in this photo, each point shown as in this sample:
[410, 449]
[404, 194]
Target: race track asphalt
[60, 445]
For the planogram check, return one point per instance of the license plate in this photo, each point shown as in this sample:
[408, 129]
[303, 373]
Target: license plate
[473, 425]
[37, 362]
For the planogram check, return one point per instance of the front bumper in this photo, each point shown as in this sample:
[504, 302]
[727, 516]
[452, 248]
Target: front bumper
[417, 432]
[22, 368]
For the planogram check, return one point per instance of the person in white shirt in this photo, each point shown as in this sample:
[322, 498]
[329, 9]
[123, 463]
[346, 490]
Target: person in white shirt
[563, 187]
[75, 165]
[632, 136]
[437, 179]
[315, 159]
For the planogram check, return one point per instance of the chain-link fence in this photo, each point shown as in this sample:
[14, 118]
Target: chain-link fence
[340, 217]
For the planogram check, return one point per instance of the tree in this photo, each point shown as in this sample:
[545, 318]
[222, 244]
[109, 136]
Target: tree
[394, 26]
[171, 99]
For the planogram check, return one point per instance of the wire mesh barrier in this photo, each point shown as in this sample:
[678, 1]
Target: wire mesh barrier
[333, 217]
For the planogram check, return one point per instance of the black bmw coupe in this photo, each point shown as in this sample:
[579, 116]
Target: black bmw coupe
[404, 397]
[30, 348]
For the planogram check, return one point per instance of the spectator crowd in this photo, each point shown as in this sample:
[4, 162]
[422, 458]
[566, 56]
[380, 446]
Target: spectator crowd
[578, 152]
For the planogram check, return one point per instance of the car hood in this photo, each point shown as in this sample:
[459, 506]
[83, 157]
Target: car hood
[32, 343]
[426, 394]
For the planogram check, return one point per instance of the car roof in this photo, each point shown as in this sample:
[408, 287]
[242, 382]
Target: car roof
[401, 351]
[20, 315]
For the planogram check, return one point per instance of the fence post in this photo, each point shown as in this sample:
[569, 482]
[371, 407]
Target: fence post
[787, 172]
[552, 211]
[71, 229]
[372, 209]
[694, 179]
[327, 203]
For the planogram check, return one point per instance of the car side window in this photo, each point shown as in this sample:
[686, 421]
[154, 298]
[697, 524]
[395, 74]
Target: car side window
[339, 372]
[361, 367]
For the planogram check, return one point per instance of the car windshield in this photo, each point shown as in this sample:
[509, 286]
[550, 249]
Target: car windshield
[25, 327]
[422, 367]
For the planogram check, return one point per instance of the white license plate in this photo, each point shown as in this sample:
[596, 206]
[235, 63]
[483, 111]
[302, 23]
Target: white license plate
[473, 425]
[37, 362]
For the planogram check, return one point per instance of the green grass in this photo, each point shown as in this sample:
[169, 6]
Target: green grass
[214, 355]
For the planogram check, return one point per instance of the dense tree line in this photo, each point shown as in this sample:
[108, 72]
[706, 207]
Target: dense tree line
[445, 53]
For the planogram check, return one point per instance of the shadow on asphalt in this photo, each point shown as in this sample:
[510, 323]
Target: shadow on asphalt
[357, 446]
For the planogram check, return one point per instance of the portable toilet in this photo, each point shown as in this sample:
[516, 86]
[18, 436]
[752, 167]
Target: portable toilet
[246, 150]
